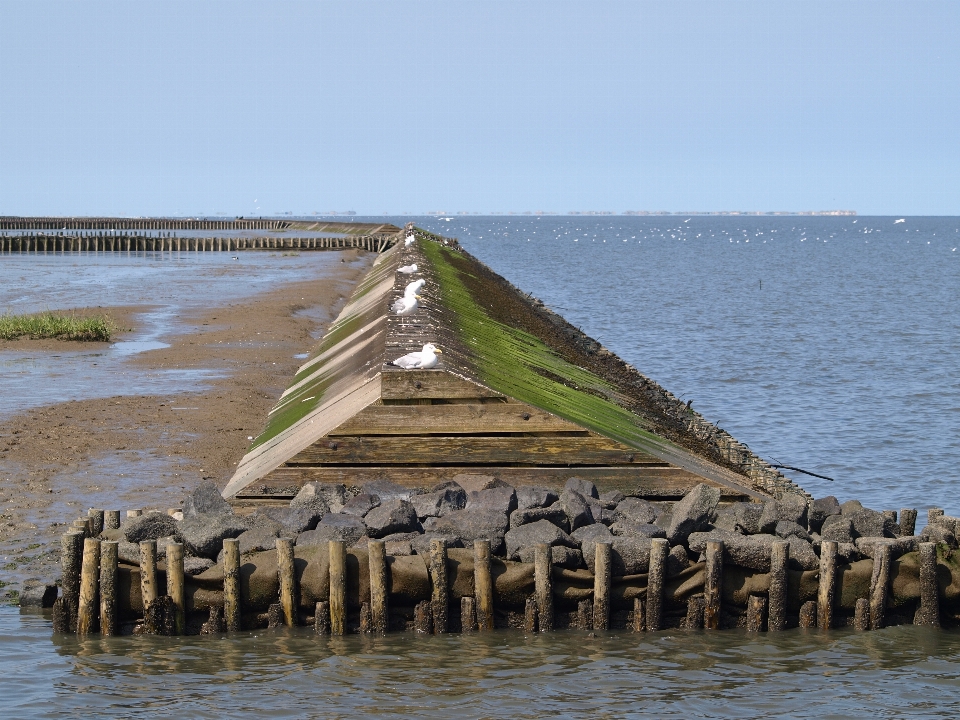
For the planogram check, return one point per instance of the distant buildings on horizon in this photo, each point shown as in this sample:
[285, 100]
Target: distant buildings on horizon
[648, 212]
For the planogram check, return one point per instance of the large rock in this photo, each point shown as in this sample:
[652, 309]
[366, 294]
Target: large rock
[437, 503]
[204, 535]
[791, 507]
[294, 520]
[554, 514]
[753, 551]
[627, 528]
[501, 499]
[938, 534]
[535, 497]
[692, 512]
[677, 560]
[741, 517]
[472, 524]
[584, 487]
[151, 526]
[421, 544]
[257, 540]
[588, 536]
[560, 555]
[629, 555]
[36, 593]
[328, 497]
[821, 509]
[386, 490]
[786, 529]
[635, 510]
[837, 528]
[850, 506]
[898, 546]
[609, 500]
[206, 500]
[532, 534]
[334, 526]
[391, 516]
[196, 565]
[868, 523]
[578, 511]
[361, 504]
[474, 483]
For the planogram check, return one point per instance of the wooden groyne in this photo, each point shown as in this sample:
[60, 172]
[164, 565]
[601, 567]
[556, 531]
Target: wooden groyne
[125, 241]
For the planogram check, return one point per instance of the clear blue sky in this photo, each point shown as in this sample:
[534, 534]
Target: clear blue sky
[147, 108]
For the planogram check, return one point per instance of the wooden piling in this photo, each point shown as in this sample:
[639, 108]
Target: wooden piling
[530, 616]
[826, 589]
[87, 614]
[148, 572]
[585, 615]
[879, 585]
[601, 586]
[275, 615]
[861, 614]
[423, 617]
[713, 584]
[289, 597]
[96, 521]
[696, 606]
[656, 575]
[379, 609]
[468, 615]
[176, 587]
[321, 618]
[639, 619]
[366, 619]
[543, 585]
[908, 522]
[134, 513]
[71, 551]
[109, 557]
[777, 595]
[756, 613]
[483, 584]
[808, 614]
[438, 578]
[933, 514]
[231, 584]
[338, 587]
[111, 519]
[928, 613]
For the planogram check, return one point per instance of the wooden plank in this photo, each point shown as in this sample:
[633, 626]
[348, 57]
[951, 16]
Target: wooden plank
[404, 384]
[452, 420]
[469, 449]
[647, 481]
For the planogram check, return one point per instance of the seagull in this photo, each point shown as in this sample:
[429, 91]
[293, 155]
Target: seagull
[414, 287]
[899, 221]
[407, 305]
[409, 240]
[408, 269]
[423, 360]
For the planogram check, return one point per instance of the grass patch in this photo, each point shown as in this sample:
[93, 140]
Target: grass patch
[98, 328]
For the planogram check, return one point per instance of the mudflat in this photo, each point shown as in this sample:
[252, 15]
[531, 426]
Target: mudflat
[146, 451]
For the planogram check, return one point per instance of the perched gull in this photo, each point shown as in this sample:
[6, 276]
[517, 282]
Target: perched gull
[407, 305]
[408, 241]
[408, 269]
[423, 360]
[414, 287]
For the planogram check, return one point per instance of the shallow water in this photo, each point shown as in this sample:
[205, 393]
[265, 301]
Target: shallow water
[897, 672]
[826, 343]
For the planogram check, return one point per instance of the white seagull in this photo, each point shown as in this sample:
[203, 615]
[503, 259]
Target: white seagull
[414, 287]
[408, 241]
[423, 360]
[408, 269]
[407, 305]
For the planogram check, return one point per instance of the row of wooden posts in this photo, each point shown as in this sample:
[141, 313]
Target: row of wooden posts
[141, 242]
[86, 223]
[90, 585]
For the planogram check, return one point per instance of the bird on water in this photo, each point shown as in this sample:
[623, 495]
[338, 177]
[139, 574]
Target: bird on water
[423, 360]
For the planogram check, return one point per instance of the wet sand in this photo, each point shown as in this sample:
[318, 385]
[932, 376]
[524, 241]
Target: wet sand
[126, 452]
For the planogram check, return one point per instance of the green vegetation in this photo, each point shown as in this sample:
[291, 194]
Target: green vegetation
[62, 327]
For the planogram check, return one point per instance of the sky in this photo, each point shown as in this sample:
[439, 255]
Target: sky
[405, 107]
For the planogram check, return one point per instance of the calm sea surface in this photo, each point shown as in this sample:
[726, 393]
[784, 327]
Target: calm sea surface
[843, 362]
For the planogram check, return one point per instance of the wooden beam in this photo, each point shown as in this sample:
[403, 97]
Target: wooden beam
[410, 384]
[452, 420]
[468, 449]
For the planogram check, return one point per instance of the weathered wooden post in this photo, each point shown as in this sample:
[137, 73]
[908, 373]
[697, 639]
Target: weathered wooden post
[438, 577]
[808, 614]
[639, 621]
[231, 584]
[338, 587]
[148, 572]
[933, 514]
[111, 519]
[585, 615]
[530, 616]
[176, 587]
[713, 584]
[468, 616]
[756, 610]
[89, 581]
[879, 585]
[96, 521]
[423, 617]
[601, 586]
[861, 614]
[108, 587]
[543, 585]
[483, 584]
[379, 609]
[696, 606]
[656, 575]
[71, 550]
[777, 595]
[321, 618]
[928, 613]
[289, 597]
[908, 522]
[826, 590]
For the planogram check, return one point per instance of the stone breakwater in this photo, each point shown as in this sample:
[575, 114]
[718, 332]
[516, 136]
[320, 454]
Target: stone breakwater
[476, 553]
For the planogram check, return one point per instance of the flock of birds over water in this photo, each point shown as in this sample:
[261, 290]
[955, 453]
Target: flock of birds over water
[426, 358]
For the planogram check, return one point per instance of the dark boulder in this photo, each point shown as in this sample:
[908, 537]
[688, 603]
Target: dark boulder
[635, 510]
[554, 514]
[438, 502]
[421, 543]
[692, 512]
[206, 500]
[837, 528]
[391, 516]
[821, 509]
[334, 526]
[327, 497]
[361, 504]
[472, 524]
[294, 520]
[535, 497]
[386, 490]
[36, 593]
[577, 510]
[610, 500]
[501, 499]
[791, 507]
[786, 529]
[584, 487]
[741, 517]
[560, 555]
[151, 526]
[203, 535]
[627, 528]
[533, 534]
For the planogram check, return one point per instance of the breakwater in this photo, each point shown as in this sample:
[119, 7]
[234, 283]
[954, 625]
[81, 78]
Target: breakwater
[479, 554]
[126, 241]
[112, 223]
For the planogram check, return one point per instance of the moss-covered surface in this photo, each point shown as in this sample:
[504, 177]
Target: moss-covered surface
[97, 328]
